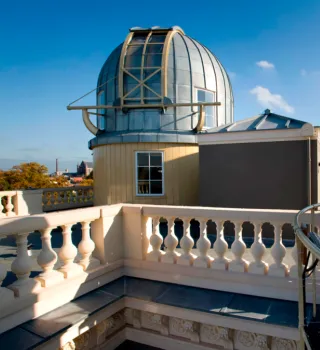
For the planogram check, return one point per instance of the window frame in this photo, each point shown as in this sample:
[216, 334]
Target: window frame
[137, 180]
[100, 111]
[205, 127]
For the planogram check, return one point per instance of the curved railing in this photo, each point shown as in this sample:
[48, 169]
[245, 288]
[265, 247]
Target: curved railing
[304, 242]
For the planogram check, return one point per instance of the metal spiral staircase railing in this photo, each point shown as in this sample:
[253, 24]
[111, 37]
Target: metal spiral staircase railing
[308, 249]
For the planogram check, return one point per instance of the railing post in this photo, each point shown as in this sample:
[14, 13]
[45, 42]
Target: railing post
[155, 241]
[107, 234]
[9, 205]
[47, 259]
[86, 247]
[171, 242]
[186, 243]
[278, 252]
[238, 248]
[67, 254]
[21, 267]
[2, 214]
[203, 246]
[28, 202]
[220, 246]
[258, 249]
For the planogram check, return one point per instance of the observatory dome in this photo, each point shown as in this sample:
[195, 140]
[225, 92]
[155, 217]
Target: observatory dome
[151, 70]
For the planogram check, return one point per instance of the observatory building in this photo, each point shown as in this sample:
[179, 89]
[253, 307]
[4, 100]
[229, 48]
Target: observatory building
[165, 133]
[159, 89]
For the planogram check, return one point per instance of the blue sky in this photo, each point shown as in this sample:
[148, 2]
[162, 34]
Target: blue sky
[52, 52]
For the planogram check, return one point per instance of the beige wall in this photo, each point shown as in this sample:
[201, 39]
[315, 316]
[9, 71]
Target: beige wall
[115, 174]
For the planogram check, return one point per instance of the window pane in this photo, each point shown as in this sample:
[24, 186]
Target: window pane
[209, 110]
[143, 173]
[143, 187]
[156, 159]
[153, 60]
[157, 38]
[155, 173]
[156, 48]
[209, 96]
[201, 96]
[156, 187]
[143, 159]
[138, 39]
[209, 121]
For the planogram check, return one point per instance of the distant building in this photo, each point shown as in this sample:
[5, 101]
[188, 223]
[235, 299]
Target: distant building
[85, 168]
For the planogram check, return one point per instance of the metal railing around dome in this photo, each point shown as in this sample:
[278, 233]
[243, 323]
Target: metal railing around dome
[308, 249]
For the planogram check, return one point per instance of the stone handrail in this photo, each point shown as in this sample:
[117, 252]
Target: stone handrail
[67, 198]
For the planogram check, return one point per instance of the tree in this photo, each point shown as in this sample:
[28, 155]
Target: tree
[29, 175]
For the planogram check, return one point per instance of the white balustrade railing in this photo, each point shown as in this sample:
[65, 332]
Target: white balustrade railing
[54, 199]
[7, 204]
[240, 258]
[131, 237]
[52, 273]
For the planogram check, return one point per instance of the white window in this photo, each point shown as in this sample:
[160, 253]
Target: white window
[209, 111]
[100, 118]
[149, 174]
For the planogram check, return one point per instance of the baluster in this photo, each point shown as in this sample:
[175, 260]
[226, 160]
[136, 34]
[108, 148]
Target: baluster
[86, 247]
[294, 254]
[67, 254]
[258, 250]
[186, 244]
[21, 267]
[203, 246]
[47, 259]
[52, 199]
[155, 241]
[171, 242]
[220, 246]
[9, 206]
[2, 214]
[6, 295]
[62, 197]
[238, 248]
[278, 252]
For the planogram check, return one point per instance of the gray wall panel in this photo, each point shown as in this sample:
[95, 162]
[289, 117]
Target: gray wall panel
[269, 175]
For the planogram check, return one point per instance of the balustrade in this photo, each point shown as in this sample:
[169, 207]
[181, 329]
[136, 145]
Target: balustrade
[123, 235]
[56, 264]
[67, 198]
[240, 258]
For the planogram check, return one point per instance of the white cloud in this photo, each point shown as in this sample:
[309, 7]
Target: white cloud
[265, 65]
[313, 73]
[267, 99]
[232, 75]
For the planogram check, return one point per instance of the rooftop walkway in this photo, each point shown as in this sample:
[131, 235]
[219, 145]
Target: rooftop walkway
[258, 309]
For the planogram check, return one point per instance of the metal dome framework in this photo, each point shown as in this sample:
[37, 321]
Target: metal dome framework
[144, 58]
[152, 46]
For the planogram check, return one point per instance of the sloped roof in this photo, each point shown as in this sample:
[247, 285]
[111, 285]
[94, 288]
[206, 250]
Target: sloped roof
[265, 121]
[88, 164]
